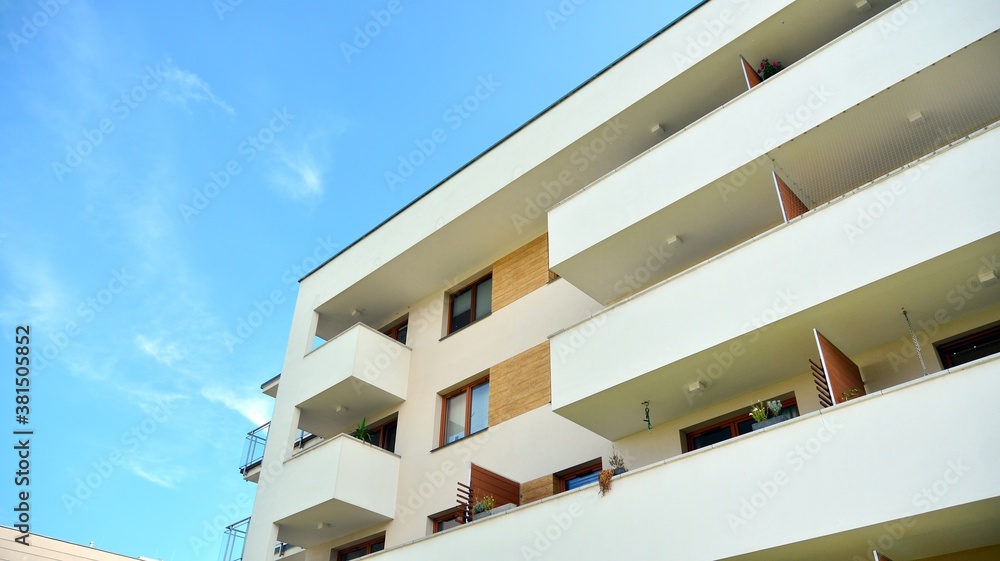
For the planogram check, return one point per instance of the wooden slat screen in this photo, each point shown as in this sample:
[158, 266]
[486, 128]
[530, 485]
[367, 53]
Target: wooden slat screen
[842, 375]
[485, 482]
[791, 205]
[750, 74]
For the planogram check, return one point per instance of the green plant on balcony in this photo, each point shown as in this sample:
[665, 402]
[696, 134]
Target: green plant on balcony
[847, 396]
[767, 414]
[485, 504]
[361, 432]
[768, 69]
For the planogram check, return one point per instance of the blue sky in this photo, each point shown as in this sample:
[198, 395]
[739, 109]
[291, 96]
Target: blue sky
[170, 170]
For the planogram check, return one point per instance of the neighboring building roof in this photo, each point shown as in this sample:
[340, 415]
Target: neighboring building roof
[50, 549]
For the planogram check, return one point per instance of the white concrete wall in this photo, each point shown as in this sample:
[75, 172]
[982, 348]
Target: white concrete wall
[828, 82]
[854, 466]
[625, 347]
[353, 353]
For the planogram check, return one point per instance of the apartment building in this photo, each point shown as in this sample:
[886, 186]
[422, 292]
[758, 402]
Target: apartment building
[677, 240]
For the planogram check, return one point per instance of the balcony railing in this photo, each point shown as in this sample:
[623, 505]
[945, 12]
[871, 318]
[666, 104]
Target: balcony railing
[253, 449]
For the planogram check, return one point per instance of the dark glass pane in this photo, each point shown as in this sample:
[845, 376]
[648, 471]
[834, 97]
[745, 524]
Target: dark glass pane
[975, 351]
[791, 411]
[743, 427]
[582, 479]
[353, 554]
[401, 334]
[374, 436]
[378, 546]
[480, 408]
[713, 436]
[461, 306]
[389, 440]
[484, 298]
[446, 524]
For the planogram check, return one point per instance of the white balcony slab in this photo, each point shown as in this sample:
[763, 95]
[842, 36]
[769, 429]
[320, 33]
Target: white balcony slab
[903, 241]
[819, 487]
[604, 233]
[334, 489]
[358, 373]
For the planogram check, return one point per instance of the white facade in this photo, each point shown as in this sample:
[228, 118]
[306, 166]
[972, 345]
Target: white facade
[691, 283]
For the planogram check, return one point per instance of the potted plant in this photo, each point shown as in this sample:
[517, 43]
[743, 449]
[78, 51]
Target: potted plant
[484, 506]
[768, 69]
[617, 462]
[361, 432]
[847, 396]
[765, 415]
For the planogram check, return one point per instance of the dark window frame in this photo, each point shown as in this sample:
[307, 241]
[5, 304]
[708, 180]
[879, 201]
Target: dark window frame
[733, 421]
[472, 286]
[966, 342]
[467, 390]
[440, 519]
[366, 545]
[583, 469]
[393, 330]
[384, 435]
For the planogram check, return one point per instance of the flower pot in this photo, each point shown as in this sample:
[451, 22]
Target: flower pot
[769, 422]
[619, 471]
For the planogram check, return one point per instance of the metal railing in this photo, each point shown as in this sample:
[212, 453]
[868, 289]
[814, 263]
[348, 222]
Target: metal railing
[253, 448]
[235, 540]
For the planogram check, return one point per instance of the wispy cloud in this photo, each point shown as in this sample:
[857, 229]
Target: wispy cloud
[300, 176]
[164, 353]
[182, 87]
[257, 408]
[168, 480]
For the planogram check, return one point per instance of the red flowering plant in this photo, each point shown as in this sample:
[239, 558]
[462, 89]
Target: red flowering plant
[768, 69]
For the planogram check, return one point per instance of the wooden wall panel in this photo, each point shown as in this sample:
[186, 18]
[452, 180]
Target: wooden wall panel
[842, 375]
[520, 384]
[791, 205]
[485, 482]
[524, 270]
[750, 74]
[538, 489]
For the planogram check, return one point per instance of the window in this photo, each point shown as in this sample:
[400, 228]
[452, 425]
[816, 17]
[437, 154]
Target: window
[580, 475]
[445, 521]
[362, 549]
[383, 435]
[735, 425]
[466, 411]
[397, 331]
[471, 304]
[970, 347]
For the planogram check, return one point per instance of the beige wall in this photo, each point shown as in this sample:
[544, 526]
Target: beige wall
[41, 548]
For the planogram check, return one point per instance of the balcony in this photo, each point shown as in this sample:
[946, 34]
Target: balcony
[358, 373]
[883, 469]
[826, 123]
[333, 489]
[849, 279]
[253, 450]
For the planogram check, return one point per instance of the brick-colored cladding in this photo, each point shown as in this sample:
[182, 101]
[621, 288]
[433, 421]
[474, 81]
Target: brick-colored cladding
[538, 489]
[520, 272]
[520, 384]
